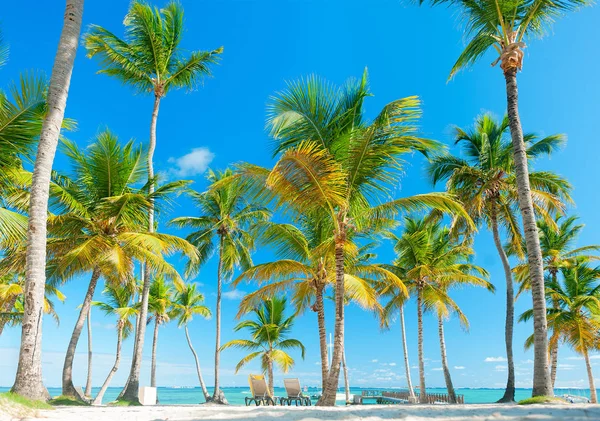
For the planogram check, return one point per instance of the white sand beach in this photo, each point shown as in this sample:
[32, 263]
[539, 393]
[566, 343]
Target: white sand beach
[494, 412]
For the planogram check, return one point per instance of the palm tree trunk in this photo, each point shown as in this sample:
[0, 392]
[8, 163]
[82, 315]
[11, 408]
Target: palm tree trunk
[322, 336]
[553, 361]
[28, 378]
[218, 395]
[411, 391]
[509, 392]
[8, 306]
[130, 392]
[270, 376]
[346, 382]
[541, 374]
[88, 383]
[200, 379]
[98, 399]
[154, 342]
[68, 389]
[444, 357]
[593, 396]
[422, 389]
[329, 392]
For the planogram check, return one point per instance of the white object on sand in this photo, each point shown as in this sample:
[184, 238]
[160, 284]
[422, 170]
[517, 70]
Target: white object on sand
[147, 395]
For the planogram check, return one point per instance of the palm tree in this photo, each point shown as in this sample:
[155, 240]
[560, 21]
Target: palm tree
[505, 25]
[149, 59]
[430, 259]
[12, 300]
[337, 164]
[3, 51]
[160, 306]
[305, 269]
[575, 319]
[119, 303]
[28, 378]
[100, 227]
[187, 303]
[557, 241]
[486, 184]
[270, 342]
[225, 217]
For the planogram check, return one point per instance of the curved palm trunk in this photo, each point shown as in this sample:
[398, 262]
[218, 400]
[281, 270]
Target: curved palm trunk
[509, 392]
[447, 377]
[8, 306]
[422, 389]
[322, 336]
[411, 391]
[28, 378]
[98, 399]
[331, 386]
[541, 374]
[154, 342]
[68, 389]
[130, 392]
[553, 360]
[218, 395]
[588, 365]
[200, 379]
[88, 383]
[346, 381]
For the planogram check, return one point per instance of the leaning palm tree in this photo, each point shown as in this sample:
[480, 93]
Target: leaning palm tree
[28, 378]
[576, 318]
[557, 241]
[429, 259]
[150, 59]
[99, 226]
[160, 307]
[505, 25]
[225, 217]
[337, 164]
[269, 341]
[119, 303]
[486, 184]
[187, 303]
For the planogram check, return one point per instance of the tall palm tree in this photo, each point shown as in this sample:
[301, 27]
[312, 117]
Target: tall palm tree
[486, 184]
[430, 258]
[160, 307]
[576, 318]
[335, 163]
[225, 217]
[119, 303]
[187, 303]
[305, 269]
[149, 59]
[28, 378]
[270, 342]
[505, 25]
[557, 241]
[100, 225]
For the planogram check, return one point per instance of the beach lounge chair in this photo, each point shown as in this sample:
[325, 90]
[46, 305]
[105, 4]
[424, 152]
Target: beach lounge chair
[294, 393]
[259, 390]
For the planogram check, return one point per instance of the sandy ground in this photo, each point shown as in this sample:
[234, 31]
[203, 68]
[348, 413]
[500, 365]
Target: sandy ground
[492, 412]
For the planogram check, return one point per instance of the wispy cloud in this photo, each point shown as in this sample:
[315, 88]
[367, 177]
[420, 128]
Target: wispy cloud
[374, 361]
[495, 360]
[192, 163]
[392, 364]
[500, 368]
[234, 294]
[459, 367]
[437, 369]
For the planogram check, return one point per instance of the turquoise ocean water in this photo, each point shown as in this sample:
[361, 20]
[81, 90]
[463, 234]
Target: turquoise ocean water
[236, 395]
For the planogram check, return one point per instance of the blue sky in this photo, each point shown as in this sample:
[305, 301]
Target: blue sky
[408, 51]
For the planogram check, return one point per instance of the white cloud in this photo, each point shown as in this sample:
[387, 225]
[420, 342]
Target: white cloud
[374, 361]
[392, 364]
[500, 368]
[234, 294]
[566, 366]
[437, 369]
[495, 360]
[193, 163]
[459, 367]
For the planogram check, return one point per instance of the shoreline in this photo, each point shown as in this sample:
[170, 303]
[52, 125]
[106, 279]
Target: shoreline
[472, 412]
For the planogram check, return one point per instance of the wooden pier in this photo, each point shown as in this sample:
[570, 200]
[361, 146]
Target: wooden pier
[383, 397]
